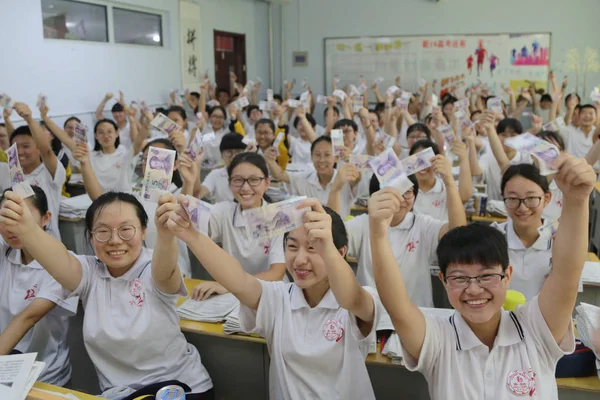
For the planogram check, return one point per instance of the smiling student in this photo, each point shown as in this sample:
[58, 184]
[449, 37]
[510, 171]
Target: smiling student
[130, 326]
[318, 328]
[482, 351]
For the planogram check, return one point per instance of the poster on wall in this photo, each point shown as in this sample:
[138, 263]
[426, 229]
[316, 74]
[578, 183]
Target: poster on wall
[455, 61]
[192, 71]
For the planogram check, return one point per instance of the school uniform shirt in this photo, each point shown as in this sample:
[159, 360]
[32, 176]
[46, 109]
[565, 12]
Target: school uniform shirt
[217, 183]
[20, 284]
[320, 130]
[114, 171]
[492, 175]
[458, 366]
[211, 148]
[316, 353]
[306, 183]
[299, 150]
[125, 136]
[131, 329]
[52, 187]
[433, 202]
[576, 142]
[530, 265]
[227, 226]
[5, 182]
[414, 242]
[554, 209]
[360, 146]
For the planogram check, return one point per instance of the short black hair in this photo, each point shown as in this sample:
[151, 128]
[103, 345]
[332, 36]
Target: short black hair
[222, 90]
[553, 137]
[39, 199]
[379, 108]
[195, 94]
[346, 122]
[375, 187]
[22, 130]
[419, 127]
[278, 97]
[338, 230]
[266, 121]
[334, 108]
[546, 97]
[215, 108]
[510, 123]
[474, 113]
[179, 110]
[585, 106]
[71, 119]
[473, 244]
[107, 198]
[309, 117]
[319, 140]
[527, 171]
[97, 146]
[422, 145]
[117, 107]
[449, 99]
[251, 158]
[572, 94]
[251, 108]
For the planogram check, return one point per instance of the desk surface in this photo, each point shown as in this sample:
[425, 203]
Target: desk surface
[597, 186]
[36, 394]
[488, 218]
[589, 384]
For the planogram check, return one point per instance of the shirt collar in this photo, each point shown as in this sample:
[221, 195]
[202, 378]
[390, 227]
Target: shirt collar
[238, 219]
[313, 179]
[514, 243]
[438, 186]
[510, 331]
[298, 301]
[407, 223]
[143, 260]
[14, 257]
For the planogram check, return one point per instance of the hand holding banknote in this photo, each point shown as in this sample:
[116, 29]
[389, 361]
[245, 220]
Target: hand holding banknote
[383, 205]
[346, 174]
[23, 110]
[81, 153]
[179, 222]
[166, 205]
[317, 224]
[441, 166]
[188, 169]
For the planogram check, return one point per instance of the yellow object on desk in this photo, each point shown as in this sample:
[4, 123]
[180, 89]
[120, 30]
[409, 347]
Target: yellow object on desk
[488, 218]
[41, 391]
[513, 299]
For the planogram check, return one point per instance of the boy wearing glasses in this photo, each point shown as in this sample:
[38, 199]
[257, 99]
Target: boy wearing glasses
[413, 238]
[482, 351]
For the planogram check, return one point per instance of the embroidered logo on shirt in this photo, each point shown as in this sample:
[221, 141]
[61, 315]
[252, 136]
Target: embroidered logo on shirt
[333, 330]
[412, 245]
[117, 165]
[437, 203]
[136, 290]
[31, 293]
[266, 245]
[559, 203]
[522, 383]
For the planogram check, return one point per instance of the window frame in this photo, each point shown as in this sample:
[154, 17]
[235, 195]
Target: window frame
[89, 2]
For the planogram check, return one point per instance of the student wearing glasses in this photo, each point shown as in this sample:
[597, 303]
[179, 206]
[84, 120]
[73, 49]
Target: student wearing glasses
[130, 327]
[414, 238]
[248, 182]
[483, 351]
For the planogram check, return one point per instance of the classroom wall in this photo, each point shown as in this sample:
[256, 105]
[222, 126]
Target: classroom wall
[308, 22]
[75, 75]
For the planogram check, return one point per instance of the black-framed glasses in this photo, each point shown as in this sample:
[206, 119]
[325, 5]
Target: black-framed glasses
[515, 202]
[125, 232]
[253, 181]
[485, 281]
[409, 195]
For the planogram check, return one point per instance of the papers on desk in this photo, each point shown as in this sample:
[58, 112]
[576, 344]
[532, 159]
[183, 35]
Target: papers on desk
[591, 273]
[232, 322]
[214, 309]
[18, 373]
[497, 208]
[588, 327]
[74, 207]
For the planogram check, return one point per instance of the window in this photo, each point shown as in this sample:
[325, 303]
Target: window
[65, 19]
[135, 27]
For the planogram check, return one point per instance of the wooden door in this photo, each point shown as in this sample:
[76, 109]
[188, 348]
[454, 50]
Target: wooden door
[230, 56]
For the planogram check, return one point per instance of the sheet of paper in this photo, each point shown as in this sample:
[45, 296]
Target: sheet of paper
[159, 171]
[14, 374]
[591, 272]
[340, 94]
[6, 101]
[274, 219]
[214, 309]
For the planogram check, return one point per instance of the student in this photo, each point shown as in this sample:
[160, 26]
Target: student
[352, 142]
[57, 148]
[190, 106]
[432, 190]
[178, 115]
[248, 181]
[69, 128]
[526, 194]
[216, 117]
[130, 326]
[323, 180]
[253, 115]
[216, 183]
[4, 137]
[39, 163]
[573, 104]
[119, 116]
[579, 140]
[318, 328]
[482, 351]
[265, 137]
[300, 146]
[413, 237]
[30, 320]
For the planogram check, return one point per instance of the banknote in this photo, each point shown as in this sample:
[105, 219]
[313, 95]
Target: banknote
[360, 161]
[337, 142]
[354, 90]
[387, 140]
[362, 88]
[462, 103]
[277, 142]
[159, 171]
[460, 113]
[164, 124]
[198, 142]
[304, 100]
[274, 219]
[549, 228]
[495, 104]
[321, 99]
[387, 168]
[199, 213]
[378, 80]
[448, 133]
[17, 177]
[6, 101]
[422, 82]
[545, 152]
[81, 133]
[270, 95]
[393, 90]
[595, 94]
[242, 102]
[417, 162]
[41, 100]
[340, 94]
[293, 103]
[556, 125]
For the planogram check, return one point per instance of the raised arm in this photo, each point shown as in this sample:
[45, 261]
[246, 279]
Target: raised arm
[41, 141]
[465, 180]
[468, 135]
[330, 118]
[408, 320]
[57, 130]
[90, 181]
[308, 129]
[220, 265]
[21, 324]
[9, 126]
[100, 108]
[370, 134]
[571, 104]
[274, 168]
[347, 175]
[378, 97]
[487, 119]
[16, 219]
[138, 132]
[456, 209]
[557, 298]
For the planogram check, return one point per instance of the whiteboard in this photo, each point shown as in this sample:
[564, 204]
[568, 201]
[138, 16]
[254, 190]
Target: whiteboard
[455, 61]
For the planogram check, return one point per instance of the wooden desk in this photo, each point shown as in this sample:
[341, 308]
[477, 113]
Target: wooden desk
[357, 210]
[588, 384]
[597, 186]
[593, 257]
[37, 394]
[486, 219]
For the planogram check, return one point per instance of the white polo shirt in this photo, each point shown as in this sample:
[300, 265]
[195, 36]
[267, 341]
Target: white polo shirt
[576, 142]
[217, 183]
[458, 366]
[306, 183]
[212, 148]
[299, 150]
[316, 353]
[414, 242]
[125, 136]
[530, 265]
[227, 227]
[20, 284]
[52, 186]
[113, 171]
[131, 329]
[492, 174]
[433, 202]
[554, 209]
